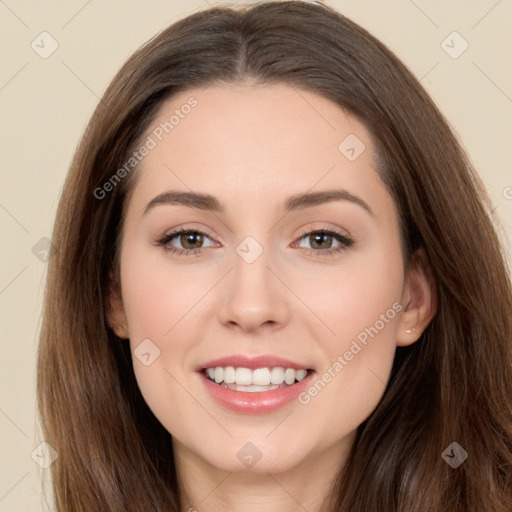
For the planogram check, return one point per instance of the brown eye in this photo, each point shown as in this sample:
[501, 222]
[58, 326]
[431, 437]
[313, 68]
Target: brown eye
[320, 240]
[185, 241]
[191, 240]
[325, 242]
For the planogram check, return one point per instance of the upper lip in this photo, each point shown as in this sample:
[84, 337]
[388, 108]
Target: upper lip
[253, 362]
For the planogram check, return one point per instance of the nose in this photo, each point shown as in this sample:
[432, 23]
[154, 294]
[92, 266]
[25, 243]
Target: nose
[253, 297]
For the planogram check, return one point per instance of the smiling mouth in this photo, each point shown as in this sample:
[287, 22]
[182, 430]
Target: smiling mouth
[257, 380]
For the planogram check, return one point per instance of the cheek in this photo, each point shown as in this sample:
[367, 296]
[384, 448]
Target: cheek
[159, 295]
[352, 382]
[359, 307]
[355, 296]
[159, 298]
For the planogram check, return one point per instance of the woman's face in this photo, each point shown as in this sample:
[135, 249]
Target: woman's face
[293, 267]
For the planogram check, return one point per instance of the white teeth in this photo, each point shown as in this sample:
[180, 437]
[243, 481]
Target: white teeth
[289, 376]
[243, 376]
[250, 389]
[261, 377]
[267, 378]
[219, 375]
[300, 374]
[277, 375]
[229, 375]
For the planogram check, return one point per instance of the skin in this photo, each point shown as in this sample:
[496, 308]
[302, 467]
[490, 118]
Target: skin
[252, 146]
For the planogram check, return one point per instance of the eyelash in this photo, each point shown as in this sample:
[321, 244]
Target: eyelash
[345, 241]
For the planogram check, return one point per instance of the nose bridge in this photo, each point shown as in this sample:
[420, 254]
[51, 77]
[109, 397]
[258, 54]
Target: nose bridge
[253, 295]
[251, 264]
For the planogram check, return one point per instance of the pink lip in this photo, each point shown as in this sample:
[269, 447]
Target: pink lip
[263, 361]
[258, 402]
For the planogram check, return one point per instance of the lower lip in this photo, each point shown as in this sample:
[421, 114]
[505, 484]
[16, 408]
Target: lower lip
[258, 402]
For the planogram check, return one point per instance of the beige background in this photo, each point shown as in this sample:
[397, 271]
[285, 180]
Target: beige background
[45, 104]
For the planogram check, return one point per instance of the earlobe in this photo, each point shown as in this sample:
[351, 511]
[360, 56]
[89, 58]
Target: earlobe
[114, 309]
[419, 300]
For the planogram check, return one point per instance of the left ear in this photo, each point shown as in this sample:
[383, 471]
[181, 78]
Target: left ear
[419, 299]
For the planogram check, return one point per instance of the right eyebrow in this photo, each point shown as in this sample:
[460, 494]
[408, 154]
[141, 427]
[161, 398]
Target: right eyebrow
[191, 199]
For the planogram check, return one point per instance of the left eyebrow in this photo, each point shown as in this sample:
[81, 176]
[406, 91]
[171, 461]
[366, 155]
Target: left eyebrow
[296, 202]
[309, 199]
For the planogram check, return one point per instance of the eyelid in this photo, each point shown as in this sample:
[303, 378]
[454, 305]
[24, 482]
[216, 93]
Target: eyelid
[188, 227]
[306, 231]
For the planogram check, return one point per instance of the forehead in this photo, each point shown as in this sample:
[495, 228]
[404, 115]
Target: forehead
[255, 144]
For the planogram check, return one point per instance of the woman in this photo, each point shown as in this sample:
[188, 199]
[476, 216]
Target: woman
[277, 284]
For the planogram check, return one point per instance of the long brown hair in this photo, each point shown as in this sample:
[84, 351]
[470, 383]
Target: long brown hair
[452, 385]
